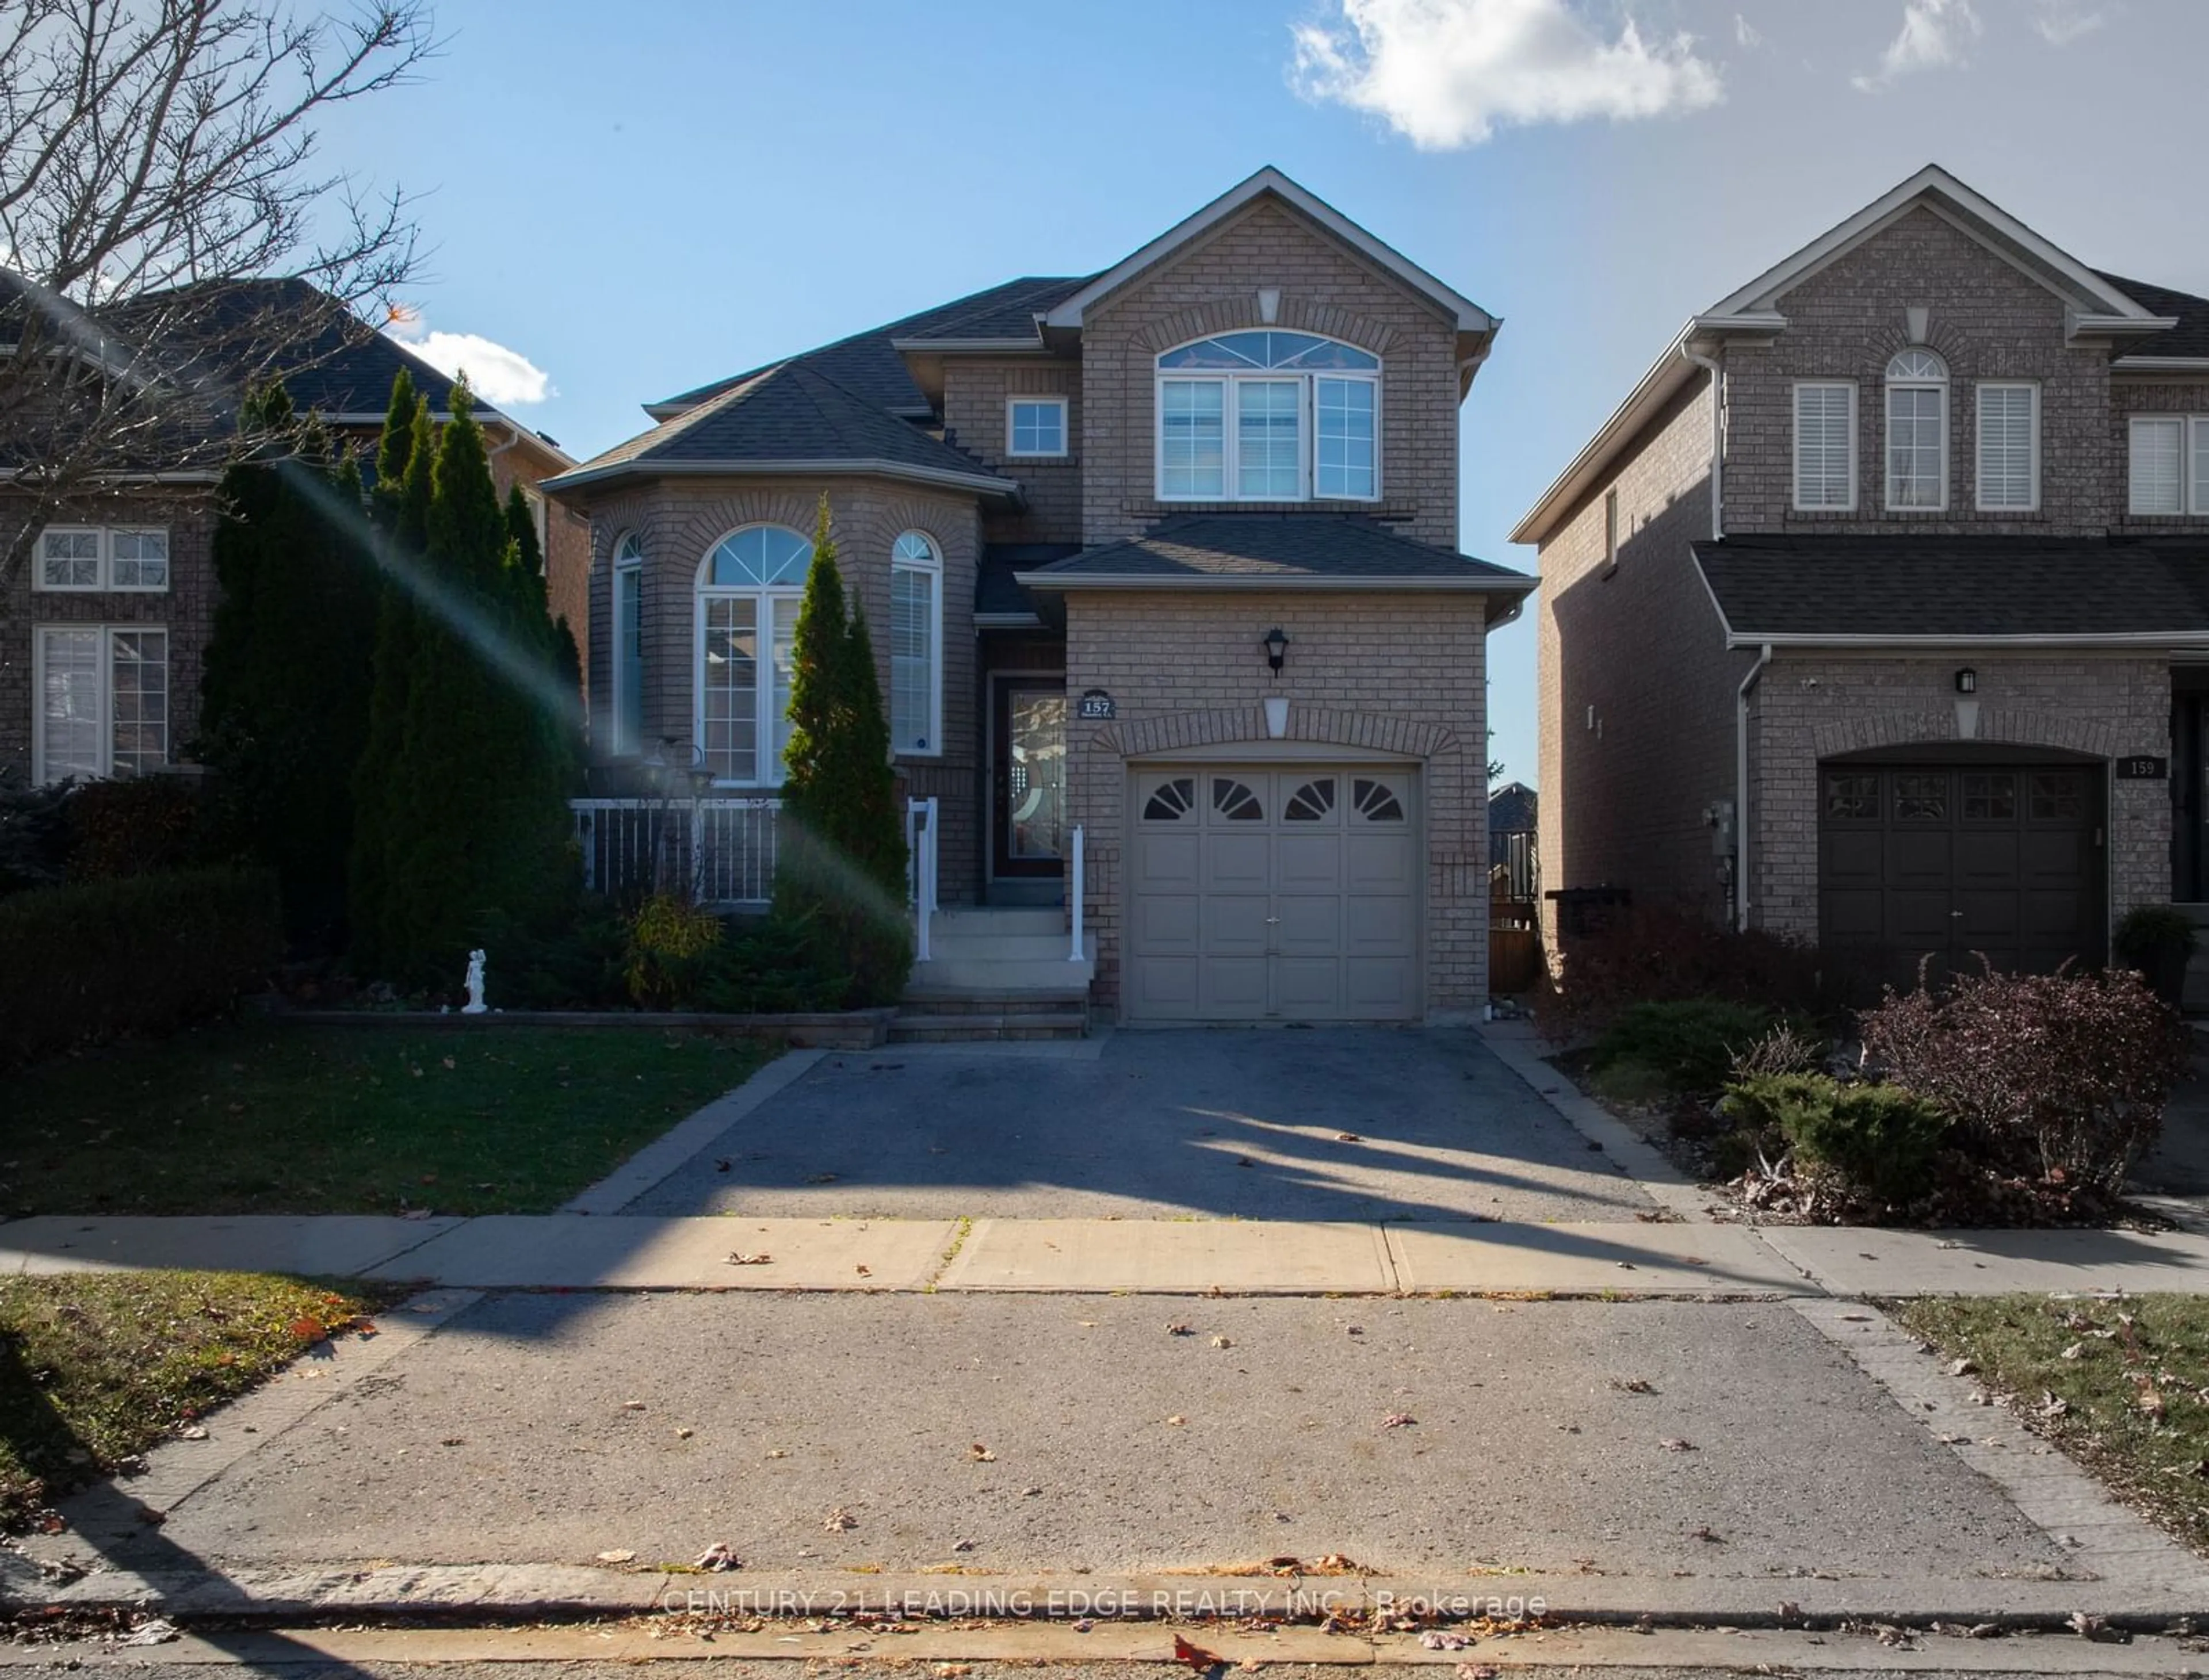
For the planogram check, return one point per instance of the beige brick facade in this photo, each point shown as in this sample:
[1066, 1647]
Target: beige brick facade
[1639, 714]
[975, 393]
[679, 520]
[1400, 674]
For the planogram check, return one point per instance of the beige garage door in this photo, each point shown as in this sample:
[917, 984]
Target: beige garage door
[1259, 892]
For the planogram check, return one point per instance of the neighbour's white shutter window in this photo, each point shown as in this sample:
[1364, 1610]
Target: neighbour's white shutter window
[2158, 482]
[2009, 448]
[1825, 447]
[2198, 471]
[102, 700]
[916, 669]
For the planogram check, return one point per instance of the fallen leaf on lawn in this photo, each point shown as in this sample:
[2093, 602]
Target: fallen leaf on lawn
[741, 1258]
[685, 1433]
[717, 1558]
[192, 1432]
[1434, 1639]
[1672, 1444]
[1222, 1341]
[1397, 1420]
[416, 1213]
[308, 1329]
[2053, 1405]
[2074, 1351]
[448, 1062]
[1963, 1367]
[1194, 1655]
[981, 1454]
[2150, 1401]
[839, 1520]
[776, 1452]
[618, 1555]
[1177, 1420]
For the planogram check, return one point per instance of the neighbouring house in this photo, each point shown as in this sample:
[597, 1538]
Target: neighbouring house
[101, 631]
[1876, 613]
[1161, 565]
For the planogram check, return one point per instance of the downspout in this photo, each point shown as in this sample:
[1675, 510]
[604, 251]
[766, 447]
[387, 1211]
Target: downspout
[1741, 906]
[1717, 437]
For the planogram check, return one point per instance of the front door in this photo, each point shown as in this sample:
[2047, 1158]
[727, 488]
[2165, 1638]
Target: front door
[1028, 777]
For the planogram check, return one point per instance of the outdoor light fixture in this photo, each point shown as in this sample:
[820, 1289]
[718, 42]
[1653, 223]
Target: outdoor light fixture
[1967, 681]
[1276, 648]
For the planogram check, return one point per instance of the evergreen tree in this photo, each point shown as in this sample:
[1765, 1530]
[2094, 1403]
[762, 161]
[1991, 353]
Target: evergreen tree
[841, 850]
[285, 688]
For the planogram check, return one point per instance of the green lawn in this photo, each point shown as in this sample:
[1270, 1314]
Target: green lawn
[96, 1368]
[285, 1119]
[2134, 1391]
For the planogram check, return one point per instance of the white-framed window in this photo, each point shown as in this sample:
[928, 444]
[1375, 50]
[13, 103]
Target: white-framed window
[103, 557]
[103, 699]
[2157, 455]
[1916, 432]
[1610, 527]
[749, 588]
[917, 646]
[2009, 447]
[627, 710]
[1825, 446]
[1035, 426]
[1269, 416]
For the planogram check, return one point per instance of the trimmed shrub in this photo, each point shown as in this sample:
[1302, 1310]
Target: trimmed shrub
[139, 954]
[1881, 1140]
[670, 944]
[2158, 941]
[135, 825]
[1689, 1045]
[1789, 1048]
[774, 966]
[33, 832]
[1668, 954]
[2060, 1076]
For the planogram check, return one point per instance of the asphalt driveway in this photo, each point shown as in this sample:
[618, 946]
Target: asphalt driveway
[1345, 1123]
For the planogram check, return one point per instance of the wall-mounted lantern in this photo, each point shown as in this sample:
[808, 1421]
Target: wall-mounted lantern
[1276, 648]
[1967, 681]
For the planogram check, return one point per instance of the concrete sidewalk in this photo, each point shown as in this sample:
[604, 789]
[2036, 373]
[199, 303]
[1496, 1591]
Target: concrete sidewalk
[1135, 1256]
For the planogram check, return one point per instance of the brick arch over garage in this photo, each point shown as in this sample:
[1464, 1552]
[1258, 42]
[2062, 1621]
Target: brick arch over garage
[1998, 726]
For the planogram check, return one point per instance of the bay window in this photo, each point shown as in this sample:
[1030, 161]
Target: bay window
[916, 645]
[1269, 416]
[748, 592]
[102, 700]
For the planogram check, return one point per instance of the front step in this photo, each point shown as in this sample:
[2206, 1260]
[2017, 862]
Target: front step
[931, 1016]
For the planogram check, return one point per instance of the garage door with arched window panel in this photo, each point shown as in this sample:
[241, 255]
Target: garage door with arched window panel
[1952, 861]
[1259, 892]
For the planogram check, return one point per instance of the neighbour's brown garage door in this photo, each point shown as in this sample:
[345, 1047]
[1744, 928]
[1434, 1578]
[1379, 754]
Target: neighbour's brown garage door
[1273, 892]
[1957, 860]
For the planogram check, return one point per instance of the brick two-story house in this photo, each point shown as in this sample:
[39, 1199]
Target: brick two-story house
[101, 631]
[1075, 509]
[1878, 613]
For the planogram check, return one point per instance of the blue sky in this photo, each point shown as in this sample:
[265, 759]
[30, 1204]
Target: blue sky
[632, 199]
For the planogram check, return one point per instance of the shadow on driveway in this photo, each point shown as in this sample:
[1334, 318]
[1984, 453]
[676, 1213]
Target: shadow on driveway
[1344, 1124]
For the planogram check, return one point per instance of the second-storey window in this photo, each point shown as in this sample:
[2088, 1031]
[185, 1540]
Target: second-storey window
[1825, 446]
[103, 557]
[1916, 432]
[750, 589]
[1035, 426]
[2168, 461]
[916, 638]
[1269, 416]
[2009, 447]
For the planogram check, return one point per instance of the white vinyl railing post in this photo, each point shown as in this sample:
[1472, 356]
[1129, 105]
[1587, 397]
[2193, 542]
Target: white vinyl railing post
[1075, 956]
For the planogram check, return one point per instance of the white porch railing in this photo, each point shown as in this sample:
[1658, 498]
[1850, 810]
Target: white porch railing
[722, 848]
[1074, 889]
[920, 823]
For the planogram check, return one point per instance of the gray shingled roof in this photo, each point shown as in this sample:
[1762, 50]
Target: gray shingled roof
[2189, 337]
[865, 365]
[1964, 587]
[1287, 548]
[790, 413]
[998, 588]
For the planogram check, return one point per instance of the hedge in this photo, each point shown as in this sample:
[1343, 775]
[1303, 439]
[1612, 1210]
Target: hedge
[142, 954]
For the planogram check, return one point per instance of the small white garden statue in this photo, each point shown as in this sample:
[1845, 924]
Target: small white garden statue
[475, 1003]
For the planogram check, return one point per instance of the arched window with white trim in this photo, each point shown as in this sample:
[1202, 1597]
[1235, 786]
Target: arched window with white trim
[627, 710]
[748, 591]
[917, 646]
[1916, 432]
[1268, 416]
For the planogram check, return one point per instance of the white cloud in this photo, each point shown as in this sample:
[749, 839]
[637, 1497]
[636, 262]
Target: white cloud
[1449, 73]
[1745, 32]
[502, 377]
[1933, 34]
[2063, 21]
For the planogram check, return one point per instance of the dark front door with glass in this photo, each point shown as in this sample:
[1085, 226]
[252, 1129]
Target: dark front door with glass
[1029, 778]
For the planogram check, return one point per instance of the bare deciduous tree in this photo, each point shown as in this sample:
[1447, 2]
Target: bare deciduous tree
[155, 155]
